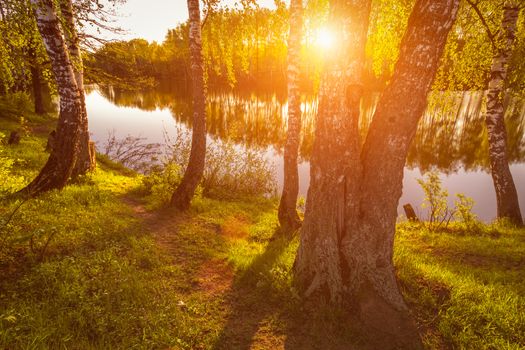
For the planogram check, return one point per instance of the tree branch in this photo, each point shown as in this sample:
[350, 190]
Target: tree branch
[491, 35]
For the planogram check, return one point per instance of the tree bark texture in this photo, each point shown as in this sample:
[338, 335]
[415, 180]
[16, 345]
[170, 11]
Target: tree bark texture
[182, 196]
[84, 161]
[346, 247]
[318, 266]
[58, 168]
[288, 217]
[506, 195]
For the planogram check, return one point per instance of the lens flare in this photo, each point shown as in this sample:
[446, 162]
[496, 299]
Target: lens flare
[324, 38]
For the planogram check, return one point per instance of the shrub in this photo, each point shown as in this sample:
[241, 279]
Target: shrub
[10, 183]
[16, 104]
[161, 182]
[439, 214]
[231, 170]
[132, 152]
[464, 212]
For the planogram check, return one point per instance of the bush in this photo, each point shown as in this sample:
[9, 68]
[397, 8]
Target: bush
[9, 183]
[464, 212]
[16, 104]
[231, 170]
[439, 213]
[161, 182]
[132, 152]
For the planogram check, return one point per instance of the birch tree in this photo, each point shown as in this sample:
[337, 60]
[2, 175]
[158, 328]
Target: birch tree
[288, 217]
[84, 162]
[61, 161]
[506, 195]
[346, 245]
[182, 196]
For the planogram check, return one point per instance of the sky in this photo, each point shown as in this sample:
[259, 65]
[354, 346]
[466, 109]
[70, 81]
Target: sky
[151, 19]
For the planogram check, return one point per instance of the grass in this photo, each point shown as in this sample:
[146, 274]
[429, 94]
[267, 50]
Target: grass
[94, 267]
[468, 289]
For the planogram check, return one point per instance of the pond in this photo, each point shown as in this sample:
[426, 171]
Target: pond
[451, 137]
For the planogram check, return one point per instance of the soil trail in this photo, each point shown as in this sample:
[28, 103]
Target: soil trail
[214, 279]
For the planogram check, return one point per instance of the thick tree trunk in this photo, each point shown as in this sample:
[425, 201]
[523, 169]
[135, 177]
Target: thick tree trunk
[84, 161]
[192, 176]
[57, 170]
[346, 246]
[288, 217]
[383, 159]
[506, 195]
[318, 266]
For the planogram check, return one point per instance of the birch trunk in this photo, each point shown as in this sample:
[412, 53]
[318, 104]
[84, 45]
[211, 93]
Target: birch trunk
[346, 247]
[84, 161]
[506, 195]
[182, 196]
[57, 170]
[288, 217]
[334, 166]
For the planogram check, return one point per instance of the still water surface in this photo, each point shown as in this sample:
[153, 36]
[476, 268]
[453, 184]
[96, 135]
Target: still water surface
[451, 137]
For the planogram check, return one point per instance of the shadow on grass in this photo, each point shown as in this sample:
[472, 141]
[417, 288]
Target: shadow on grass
[252, 301]
[267, 314]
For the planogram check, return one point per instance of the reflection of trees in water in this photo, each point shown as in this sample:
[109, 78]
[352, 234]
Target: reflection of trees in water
[451, 135]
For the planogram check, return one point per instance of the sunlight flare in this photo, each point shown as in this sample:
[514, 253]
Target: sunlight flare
[324, 38]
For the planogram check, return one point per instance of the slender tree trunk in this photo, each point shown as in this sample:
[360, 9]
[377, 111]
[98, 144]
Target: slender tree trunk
[36, 83]
[57, 170]
[346, 247]
[184, 193]
[288, 217]
[36, 72]
[506, 195]
[85, 158]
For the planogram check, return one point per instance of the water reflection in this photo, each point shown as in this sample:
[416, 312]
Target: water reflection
[451, 137]
[452, 134]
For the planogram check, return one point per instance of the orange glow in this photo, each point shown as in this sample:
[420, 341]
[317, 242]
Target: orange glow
[324, 38]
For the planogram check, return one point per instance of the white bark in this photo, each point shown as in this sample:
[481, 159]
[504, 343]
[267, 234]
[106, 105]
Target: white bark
[506, 195]
[59, 166]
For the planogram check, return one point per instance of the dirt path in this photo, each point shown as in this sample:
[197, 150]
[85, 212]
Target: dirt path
[214, 280]
[214, 276]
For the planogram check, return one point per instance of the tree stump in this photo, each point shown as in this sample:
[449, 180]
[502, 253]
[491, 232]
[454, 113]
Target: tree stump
[92, 155]
[14, 138]
[410, 212]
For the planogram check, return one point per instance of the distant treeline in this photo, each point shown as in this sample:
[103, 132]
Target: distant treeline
[244, 48]
[240, 47]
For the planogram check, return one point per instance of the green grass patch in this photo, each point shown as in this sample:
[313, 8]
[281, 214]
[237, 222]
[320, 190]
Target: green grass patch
[99, 265]
[468, 291]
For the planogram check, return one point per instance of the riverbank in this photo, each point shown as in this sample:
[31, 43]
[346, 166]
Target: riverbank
[94, 266]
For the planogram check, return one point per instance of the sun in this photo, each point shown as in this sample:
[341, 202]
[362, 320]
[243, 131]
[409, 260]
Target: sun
[324, 38]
